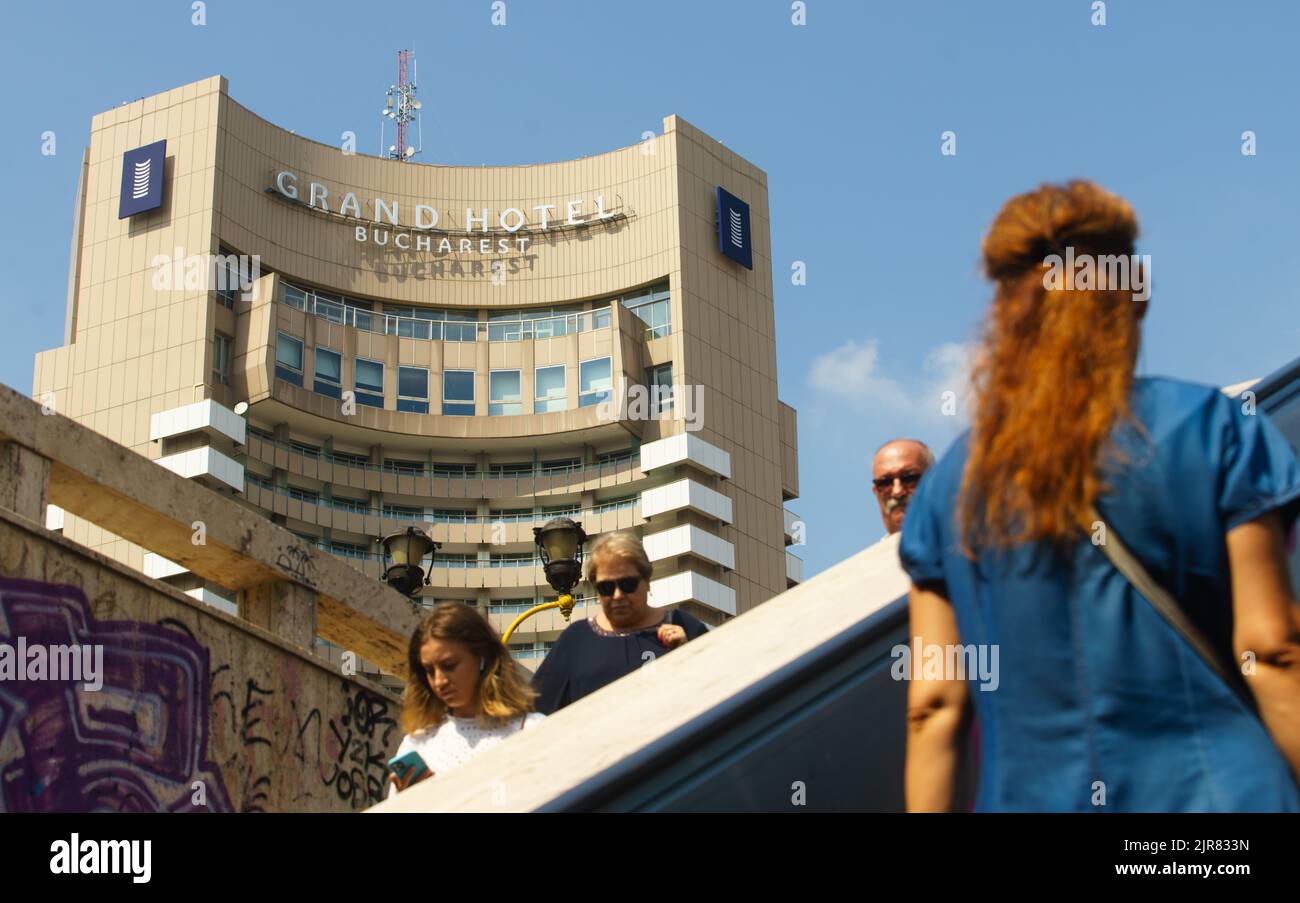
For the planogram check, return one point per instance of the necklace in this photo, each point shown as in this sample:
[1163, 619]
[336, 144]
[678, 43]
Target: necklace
[610, 631]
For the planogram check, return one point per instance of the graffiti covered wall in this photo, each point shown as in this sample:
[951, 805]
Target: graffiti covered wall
[194, 711]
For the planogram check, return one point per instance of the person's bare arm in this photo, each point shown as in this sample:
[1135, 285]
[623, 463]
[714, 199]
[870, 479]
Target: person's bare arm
[936, 709]
[1267, 625]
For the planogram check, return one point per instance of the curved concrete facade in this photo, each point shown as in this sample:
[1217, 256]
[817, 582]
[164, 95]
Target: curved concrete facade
[474, 349]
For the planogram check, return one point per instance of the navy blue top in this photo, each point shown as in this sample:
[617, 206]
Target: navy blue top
[1094, 685]
[584, 659]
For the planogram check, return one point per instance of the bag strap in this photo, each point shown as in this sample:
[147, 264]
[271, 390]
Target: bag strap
[1164, 603]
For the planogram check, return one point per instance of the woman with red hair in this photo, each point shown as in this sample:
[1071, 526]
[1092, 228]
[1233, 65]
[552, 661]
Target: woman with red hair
[1119, 541]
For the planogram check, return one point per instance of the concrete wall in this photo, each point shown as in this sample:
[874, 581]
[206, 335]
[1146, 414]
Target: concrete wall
[198, 711]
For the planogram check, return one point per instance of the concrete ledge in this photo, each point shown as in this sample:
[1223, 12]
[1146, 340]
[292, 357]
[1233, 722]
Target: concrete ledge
[107, 484]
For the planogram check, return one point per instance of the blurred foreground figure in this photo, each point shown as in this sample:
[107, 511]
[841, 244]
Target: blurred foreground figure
[1089, 696]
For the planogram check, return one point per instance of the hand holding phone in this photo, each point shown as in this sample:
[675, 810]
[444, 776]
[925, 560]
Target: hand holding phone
[408, 769]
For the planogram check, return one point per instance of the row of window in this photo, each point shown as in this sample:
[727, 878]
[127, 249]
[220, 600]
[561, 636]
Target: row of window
[550, 393]
[444, 515]
[651, 305]
[496, 470]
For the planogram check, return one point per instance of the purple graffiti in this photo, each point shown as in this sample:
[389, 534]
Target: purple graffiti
[138, 744]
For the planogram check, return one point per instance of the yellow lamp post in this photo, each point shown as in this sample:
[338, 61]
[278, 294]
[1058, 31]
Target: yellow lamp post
[559, 544]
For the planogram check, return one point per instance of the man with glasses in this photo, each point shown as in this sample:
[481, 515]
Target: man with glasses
[896, 469]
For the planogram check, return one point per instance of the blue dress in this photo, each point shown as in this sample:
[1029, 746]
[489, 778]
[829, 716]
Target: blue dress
[1093, 685]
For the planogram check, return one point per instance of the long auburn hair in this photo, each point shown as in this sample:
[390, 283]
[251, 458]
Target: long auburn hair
[503, 693]
[1053, 375]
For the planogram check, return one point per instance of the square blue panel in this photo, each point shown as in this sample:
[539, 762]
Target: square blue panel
[733, 228]
[142, 179]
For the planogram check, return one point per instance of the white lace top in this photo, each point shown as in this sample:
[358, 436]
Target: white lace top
[457, 740]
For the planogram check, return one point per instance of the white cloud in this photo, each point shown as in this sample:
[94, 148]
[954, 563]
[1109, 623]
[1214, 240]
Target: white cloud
[853, 372]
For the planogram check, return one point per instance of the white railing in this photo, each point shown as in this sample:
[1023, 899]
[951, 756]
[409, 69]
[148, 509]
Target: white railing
[449, 330]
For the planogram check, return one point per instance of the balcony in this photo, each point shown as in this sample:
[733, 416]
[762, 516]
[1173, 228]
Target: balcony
[446, 330]
[686, 494]
[794, 528]
[207, 417]
[688, 539]
[686, 448]
[347, 472]
[688, 586]
[793, 569]
[207, 466]
[472, 529]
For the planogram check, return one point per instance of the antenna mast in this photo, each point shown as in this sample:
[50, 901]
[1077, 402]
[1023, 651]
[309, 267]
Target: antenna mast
[402, 107]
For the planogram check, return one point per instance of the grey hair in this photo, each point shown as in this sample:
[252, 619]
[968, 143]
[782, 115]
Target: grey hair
[622, 544]
[926, 455]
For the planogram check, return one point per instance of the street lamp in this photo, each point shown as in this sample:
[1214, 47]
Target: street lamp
[406, 549]
[559, 543]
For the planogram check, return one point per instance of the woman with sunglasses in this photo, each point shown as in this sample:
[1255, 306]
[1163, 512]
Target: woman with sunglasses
[624, 634]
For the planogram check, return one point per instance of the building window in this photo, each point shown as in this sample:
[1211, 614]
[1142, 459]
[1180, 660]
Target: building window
[594, 382]
[370, 383]
[550, 393]
[303, 448]
[497, 471]
[513, 560]
[503, 392]
[426, 323]
[653, 307]
[230, 278]
[398, 466]
[535, 323]
[413, 390]
[463, 471]
[329, 367]
[355, 506]
[458, 392]
[288, 359]
[659, 380]
[350, 459]
[403, 512]
[253, 479]
[221, 359]
[562, 465]
[615, 457]
[295, 297]
[450, 516]
[306, 496]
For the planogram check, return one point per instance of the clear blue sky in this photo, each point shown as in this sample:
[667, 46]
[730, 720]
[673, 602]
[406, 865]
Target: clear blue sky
[845, 115]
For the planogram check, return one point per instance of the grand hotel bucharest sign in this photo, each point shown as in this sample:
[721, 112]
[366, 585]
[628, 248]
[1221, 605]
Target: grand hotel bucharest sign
[423, 227]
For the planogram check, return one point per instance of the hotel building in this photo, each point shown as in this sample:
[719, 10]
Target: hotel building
[470, 349]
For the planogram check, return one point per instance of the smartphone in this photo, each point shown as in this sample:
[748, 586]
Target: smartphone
[408, 768]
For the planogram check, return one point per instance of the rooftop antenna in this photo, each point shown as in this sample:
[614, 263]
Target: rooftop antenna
[402, 107]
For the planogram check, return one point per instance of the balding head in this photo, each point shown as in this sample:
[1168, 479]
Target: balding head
[896, 468]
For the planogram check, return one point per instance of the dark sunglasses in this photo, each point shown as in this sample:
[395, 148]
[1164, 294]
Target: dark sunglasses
[627, 584]
[910, 479]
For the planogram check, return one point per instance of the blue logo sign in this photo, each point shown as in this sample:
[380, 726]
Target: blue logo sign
[142, 179]
[733, 228]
